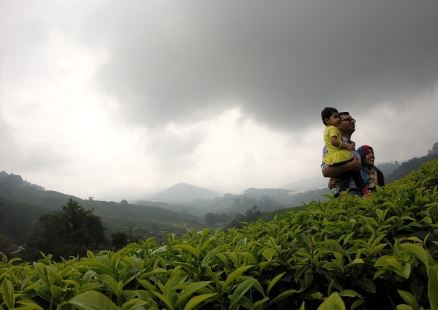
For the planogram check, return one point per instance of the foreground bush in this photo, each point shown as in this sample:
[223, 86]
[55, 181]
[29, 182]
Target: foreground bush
[376, 253]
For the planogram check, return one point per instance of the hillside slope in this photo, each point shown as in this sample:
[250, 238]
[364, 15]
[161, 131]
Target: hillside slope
[406, 167]
[348, 253]
[183, 193]
[23, 203]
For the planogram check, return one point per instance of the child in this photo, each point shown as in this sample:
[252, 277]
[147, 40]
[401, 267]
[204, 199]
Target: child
[338, 152]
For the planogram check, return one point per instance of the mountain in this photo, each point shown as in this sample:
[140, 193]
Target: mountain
[22, 203]
[306, 184]
[388, 168]
[406, 167]
[278, 194]
[19, 220]
[183, 193]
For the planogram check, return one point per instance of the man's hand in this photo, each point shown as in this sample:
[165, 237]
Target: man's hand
[353, 165]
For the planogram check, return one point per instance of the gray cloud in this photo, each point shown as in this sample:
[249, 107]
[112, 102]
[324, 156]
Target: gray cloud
[8, 146]
[27, 157]
[282, 60]
[173, 152]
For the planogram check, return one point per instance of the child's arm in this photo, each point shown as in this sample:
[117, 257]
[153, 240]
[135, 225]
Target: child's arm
[341, 145]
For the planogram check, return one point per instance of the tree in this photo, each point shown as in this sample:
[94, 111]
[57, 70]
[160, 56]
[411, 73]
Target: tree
[71, 231]
[119, 239]
[6, 245]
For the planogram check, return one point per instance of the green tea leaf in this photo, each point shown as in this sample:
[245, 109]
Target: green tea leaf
[189, 290]
[240, 291]
[268, 253]
[28, 305]
[198, 300]
[259, 304]
[93, 300]
[283, 295]
[408, 298]
[349, 293]
[388, 261]
[432, 287]
[113, 286]
[135, 304]
[8, 293]
[333, 302]
[236, 273]
[417, 251]
[188, 248]
[164, 299]
[274, 281]
[404, 307]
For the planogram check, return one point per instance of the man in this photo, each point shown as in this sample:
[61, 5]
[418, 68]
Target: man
[347, 127]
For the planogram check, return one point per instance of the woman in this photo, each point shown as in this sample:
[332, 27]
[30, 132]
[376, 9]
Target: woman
[372, 176]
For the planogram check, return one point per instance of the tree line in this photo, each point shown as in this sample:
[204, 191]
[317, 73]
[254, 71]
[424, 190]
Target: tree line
[72, 231]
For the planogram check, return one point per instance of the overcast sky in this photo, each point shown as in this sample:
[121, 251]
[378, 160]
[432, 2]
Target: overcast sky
[120, 99]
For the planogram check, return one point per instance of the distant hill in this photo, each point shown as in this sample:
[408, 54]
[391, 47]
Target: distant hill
[388, 168]
[306, 184]
[281, 195]
[406, 167]
[19, 220]
[23, 203]
[183, 193]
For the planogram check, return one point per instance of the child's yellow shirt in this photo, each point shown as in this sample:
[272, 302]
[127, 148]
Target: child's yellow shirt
[334, 154]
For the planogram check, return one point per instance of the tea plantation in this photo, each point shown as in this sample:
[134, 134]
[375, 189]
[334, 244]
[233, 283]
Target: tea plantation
[348, 253]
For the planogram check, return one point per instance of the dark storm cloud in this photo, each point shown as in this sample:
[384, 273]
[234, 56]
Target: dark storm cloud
[283, 60]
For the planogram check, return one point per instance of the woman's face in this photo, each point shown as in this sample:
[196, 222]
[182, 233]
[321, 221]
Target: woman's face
[369, 158]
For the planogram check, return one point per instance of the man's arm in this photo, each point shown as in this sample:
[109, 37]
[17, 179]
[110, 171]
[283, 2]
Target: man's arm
[333, 172]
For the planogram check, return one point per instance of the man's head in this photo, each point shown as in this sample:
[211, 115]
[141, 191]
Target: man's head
[347, 124]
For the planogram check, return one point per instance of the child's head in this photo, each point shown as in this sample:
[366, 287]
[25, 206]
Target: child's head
[330, 116]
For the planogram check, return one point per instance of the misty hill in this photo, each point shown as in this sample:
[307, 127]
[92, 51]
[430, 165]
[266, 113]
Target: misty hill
[183, 193]
[23, 203]
[281, 195]
[388, 168]
[19, 220]
[406, 167]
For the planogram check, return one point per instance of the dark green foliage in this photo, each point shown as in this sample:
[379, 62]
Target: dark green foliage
[18, 220]
[119, 240]
[6, 245]
[212, 219]
[71, 231]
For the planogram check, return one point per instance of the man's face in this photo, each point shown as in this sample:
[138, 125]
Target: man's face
[347, 124]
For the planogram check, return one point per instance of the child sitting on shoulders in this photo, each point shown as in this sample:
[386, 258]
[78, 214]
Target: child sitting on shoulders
[338, 152]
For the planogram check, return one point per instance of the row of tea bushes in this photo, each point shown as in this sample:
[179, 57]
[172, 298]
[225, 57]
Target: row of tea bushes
[348, 253]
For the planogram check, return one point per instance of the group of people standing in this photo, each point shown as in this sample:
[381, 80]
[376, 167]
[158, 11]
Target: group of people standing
[349, 169]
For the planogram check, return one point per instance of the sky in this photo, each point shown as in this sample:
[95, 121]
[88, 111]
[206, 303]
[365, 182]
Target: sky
[121, 99]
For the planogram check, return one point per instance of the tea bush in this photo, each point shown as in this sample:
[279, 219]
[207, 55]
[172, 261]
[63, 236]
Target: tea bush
[374, 253]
